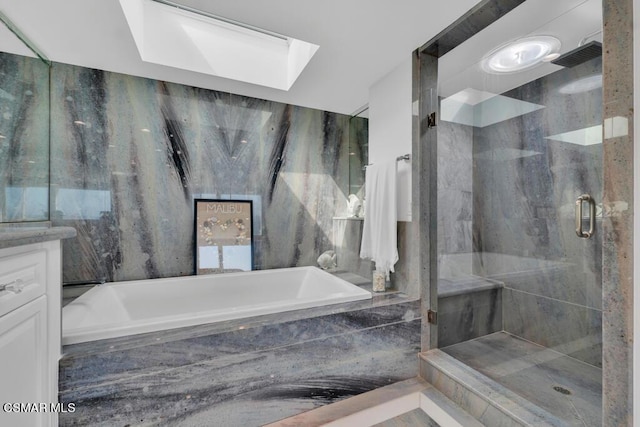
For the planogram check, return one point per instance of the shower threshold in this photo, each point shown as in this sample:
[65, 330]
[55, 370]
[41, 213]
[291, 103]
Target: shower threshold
[412, 402]
[565, 387]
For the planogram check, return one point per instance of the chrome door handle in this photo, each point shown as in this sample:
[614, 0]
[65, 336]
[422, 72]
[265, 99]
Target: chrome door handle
[592, 216]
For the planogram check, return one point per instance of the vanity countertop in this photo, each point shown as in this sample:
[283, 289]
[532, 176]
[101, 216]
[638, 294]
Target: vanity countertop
[11, 236]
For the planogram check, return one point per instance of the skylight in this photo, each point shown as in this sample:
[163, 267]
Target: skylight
[176, 36]
[479, 108]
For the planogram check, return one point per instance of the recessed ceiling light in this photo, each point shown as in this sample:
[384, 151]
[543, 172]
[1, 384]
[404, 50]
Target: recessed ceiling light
[584, 84]
[520, 55]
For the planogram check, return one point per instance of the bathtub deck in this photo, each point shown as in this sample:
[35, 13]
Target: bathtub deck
[242, 373]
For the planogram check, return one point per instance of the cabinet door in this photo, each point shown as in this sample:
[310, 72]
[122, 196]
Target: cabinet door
[23, 363]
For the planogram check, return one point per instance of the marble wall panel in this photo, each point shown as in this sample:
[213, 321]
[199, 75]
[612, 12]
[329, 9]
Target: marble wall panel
[454, 221]
[455, 185]
[508, 189]
[129, 155]
[567, 328]
[552, 282]
[522, 177]
[524, 190]
[24, 139]
[455, 156]
[469, 315]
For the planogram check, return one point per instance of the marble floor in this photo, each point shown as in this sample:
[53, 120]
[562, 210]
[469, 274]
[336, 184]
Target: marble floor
[566, 387]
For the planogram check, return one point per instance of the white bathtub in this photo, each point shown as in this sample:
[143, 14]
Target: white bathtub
[127, 308]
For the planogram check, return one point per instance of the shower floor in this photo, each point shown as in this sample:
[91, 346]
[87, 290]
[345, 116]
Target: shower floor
[533, 371]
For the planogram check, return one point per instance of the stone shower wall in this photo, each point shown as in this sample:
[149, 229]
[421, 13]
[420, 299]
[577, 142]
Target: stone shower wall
[524, 191]
[129, 155]
[455, 186]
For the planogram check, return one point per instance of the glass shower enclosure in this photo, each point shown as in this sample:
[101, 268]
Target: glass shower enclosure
[519, 191]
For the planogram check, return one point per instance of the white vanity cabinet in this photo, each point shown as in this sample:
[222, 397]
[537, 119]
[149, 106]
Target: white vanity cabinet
[23, 354]
[30, 330]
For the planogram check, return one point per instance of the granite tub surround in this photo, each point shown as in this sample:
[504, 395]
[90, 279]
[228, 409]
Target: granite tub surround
[24, 139]
[131, 154]
[247, 374]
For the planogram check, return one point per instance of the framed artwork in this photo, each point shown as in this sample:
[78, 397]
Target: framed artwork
[223, 236]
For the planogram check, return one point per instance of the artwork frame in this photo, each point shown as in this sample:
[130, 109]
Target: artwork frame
[223, 236]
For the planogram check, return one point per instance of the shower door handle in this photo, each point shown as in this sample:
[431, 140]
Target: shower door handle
[592, 216]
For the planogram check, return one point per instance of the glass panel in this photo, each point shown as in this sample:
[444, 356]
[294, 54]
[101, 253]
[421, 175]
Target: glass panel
[519, 140]
[24, 132]
[358, 152]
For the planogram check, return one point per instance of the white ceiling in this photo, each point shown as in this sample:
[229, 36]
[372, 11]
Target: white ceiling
[360, 41]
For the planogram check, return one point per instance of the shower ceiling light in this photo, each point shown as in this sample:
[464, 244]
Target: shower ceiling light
[520, 55]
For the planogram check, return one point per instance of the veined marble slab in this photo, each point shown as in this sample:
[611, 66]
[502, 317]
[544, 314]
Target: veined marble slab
[130, 154]
[248, 376]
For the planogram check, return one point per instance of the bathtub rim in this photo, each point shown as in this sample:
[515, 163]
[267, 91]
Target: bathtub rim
[146, 326]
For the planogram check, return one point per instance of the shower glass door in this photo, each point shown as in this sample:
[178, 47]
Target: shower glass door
[519, 142]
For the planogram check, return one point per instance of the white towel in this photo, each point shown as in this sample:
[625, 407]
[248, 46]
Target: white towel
[379, 235]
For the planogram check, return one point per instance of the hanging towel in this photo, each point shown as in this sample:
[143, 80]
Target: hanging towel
[379, 234]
